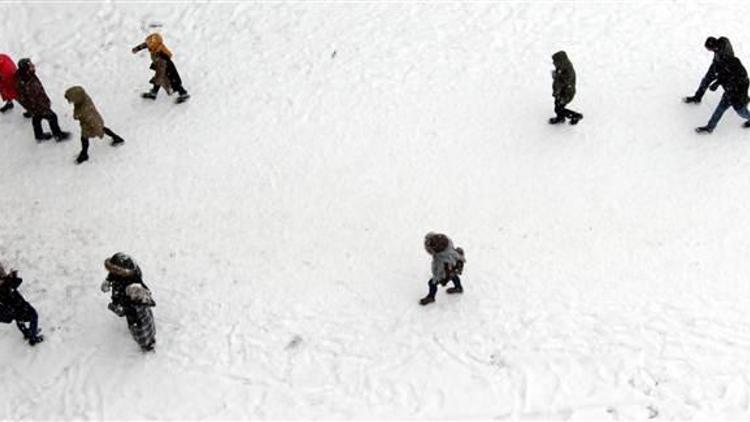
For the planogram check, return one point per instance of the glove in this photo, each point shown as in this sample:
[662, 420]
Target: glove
[106, 286]
[714, 87]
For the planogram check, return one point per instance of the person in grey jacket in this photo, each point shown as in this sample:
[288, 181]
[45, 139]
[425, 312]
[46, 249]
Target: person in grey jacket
[447, 264]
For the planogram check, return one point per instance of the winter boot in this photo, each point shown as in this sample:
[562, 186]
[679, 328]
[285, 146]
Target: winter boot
[576, 118]
[426, 300]
[7, 107]
[182, 98]
[27, 115]
[83, 156]
[149, 95]
[454, 290]
[703, 129]
[692, 100]
[746, 124]
[556, 120]
[44, 136]
[62, 136]
[38, 338]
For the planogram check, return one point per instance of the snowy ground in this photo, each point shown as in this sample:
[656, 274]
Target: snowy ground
[278, 216]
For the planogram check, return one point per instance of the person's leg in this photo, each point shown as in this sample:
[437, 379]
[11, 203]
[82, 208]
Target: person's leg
[23, 329]
[39, 134]
[430, 295]
[116, 139]
[7, 106]
[559, 113]
[716, 116]
[84, 154]
[457, 288]
[55, 128]
[151, 95]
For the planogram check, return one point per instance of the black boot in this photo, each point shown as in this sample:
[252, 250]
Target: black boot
[151, 95]
[84, 154]
[575, 118]
[7, 107]
[183, 95]
[703, 129]
[427, 300]
[692, 100]
[116, 140]
[556, 120]
[746, 124]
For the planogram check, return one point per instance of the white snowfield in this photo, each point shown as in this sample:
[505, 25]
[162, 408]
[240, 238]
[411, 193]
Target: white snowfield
[278, 216]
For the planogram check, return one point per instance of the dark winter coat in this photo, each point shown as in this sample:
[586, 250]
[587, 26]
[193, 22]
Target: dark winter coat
[120, 283]
[31, 93]
[165, 72]
[7, 78]
[732, 77]
[12, 304]
[563, 78]
[92, 125]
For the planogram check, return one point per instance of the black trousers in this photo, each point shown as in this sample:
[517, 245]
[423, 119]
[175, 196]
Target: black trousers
[180, 90]
[563, 112]
[51, 118]
[433, 285]
[85, 141]
[31, 330]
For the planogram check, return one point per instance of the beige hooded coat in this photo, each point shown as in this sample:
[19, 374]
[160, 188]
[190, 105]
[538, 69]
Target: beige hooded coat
[92, 125]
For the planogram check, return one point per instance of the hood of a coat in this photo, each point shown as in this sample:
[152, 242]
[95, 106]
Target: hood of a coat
[155, 44]
[560, 59]
[77, 96]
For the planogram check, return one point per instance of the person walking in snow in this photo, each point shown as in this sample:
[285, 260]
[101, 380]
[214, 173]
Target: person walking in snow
[7, 82]
[165, 72]
[92, 125]
[14, 307]
[131, 298]
[447, 265]
[33, 98]
[722, 49]
[732, 76]
[563, 89]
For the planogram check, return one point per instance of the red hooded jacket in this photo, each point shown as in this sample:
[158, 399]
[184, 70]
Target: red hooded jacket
[7, 78]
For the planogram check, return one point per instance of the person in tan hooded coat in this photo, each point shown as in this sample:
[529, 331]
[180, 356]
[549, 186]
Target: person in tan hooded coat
[165, 72]
[92, 124]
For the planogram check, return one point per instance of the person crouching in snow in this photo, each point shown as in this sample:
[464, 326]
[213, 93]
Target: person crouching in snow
[92, 125]
[447, 264]
[165, 72]
[563, 89]
[7, 82]
[32, 97]
[14, 306]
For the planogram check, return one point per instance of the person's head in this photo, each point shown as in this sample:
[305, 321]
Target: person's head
[559, 58]
[435, 243]
[76, 95]
[25, 66]
[711, 44]
[121, 265]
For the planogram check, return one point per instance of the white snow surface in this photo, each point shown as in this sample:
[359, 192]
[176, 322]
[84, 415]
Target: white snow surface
[278, 216]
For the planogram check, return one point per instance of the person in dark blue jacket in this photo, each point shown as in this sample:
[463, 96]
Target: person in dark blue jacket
[14, 307]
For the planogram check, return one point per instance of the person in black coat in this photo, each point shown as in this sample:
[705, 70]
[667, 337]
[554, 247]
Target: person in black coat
[14, 307]
[563, 89]
[732, 76]
[722, 49]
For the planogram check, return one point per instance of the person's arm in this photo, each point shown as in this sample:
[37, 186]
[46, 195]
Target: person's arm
[139, 47]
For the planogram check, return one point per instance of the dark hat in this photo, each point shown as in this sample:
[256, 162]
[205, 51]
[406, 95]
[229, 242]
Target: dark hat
[711, 43]
[121, 264]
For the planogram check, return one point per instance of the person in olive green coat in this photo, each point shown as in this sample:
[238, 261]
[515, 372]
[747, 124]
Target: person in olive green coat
[563, 89]
[92, 124]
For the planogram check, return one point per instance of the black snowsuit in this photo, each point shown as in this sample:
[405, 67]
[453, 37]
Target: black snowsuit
[14, 307]
[723, 51]
[563, 87]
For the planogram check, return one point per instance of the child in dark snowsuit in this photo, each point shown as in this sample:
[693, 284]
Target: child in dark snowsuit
[32, 97]
[447, 264]
[92, 125]
[732, 76]
[129, 292]
[14, 306]
[722, 49]
[165, 72]
[563, 89]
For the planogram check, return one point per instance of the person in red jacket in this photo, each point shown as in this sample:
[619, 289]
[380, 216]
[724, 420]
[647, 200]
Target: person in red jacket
[7, 82]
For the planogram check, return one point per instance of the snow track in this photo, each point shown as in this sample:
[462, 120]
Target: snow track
[278, 215]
